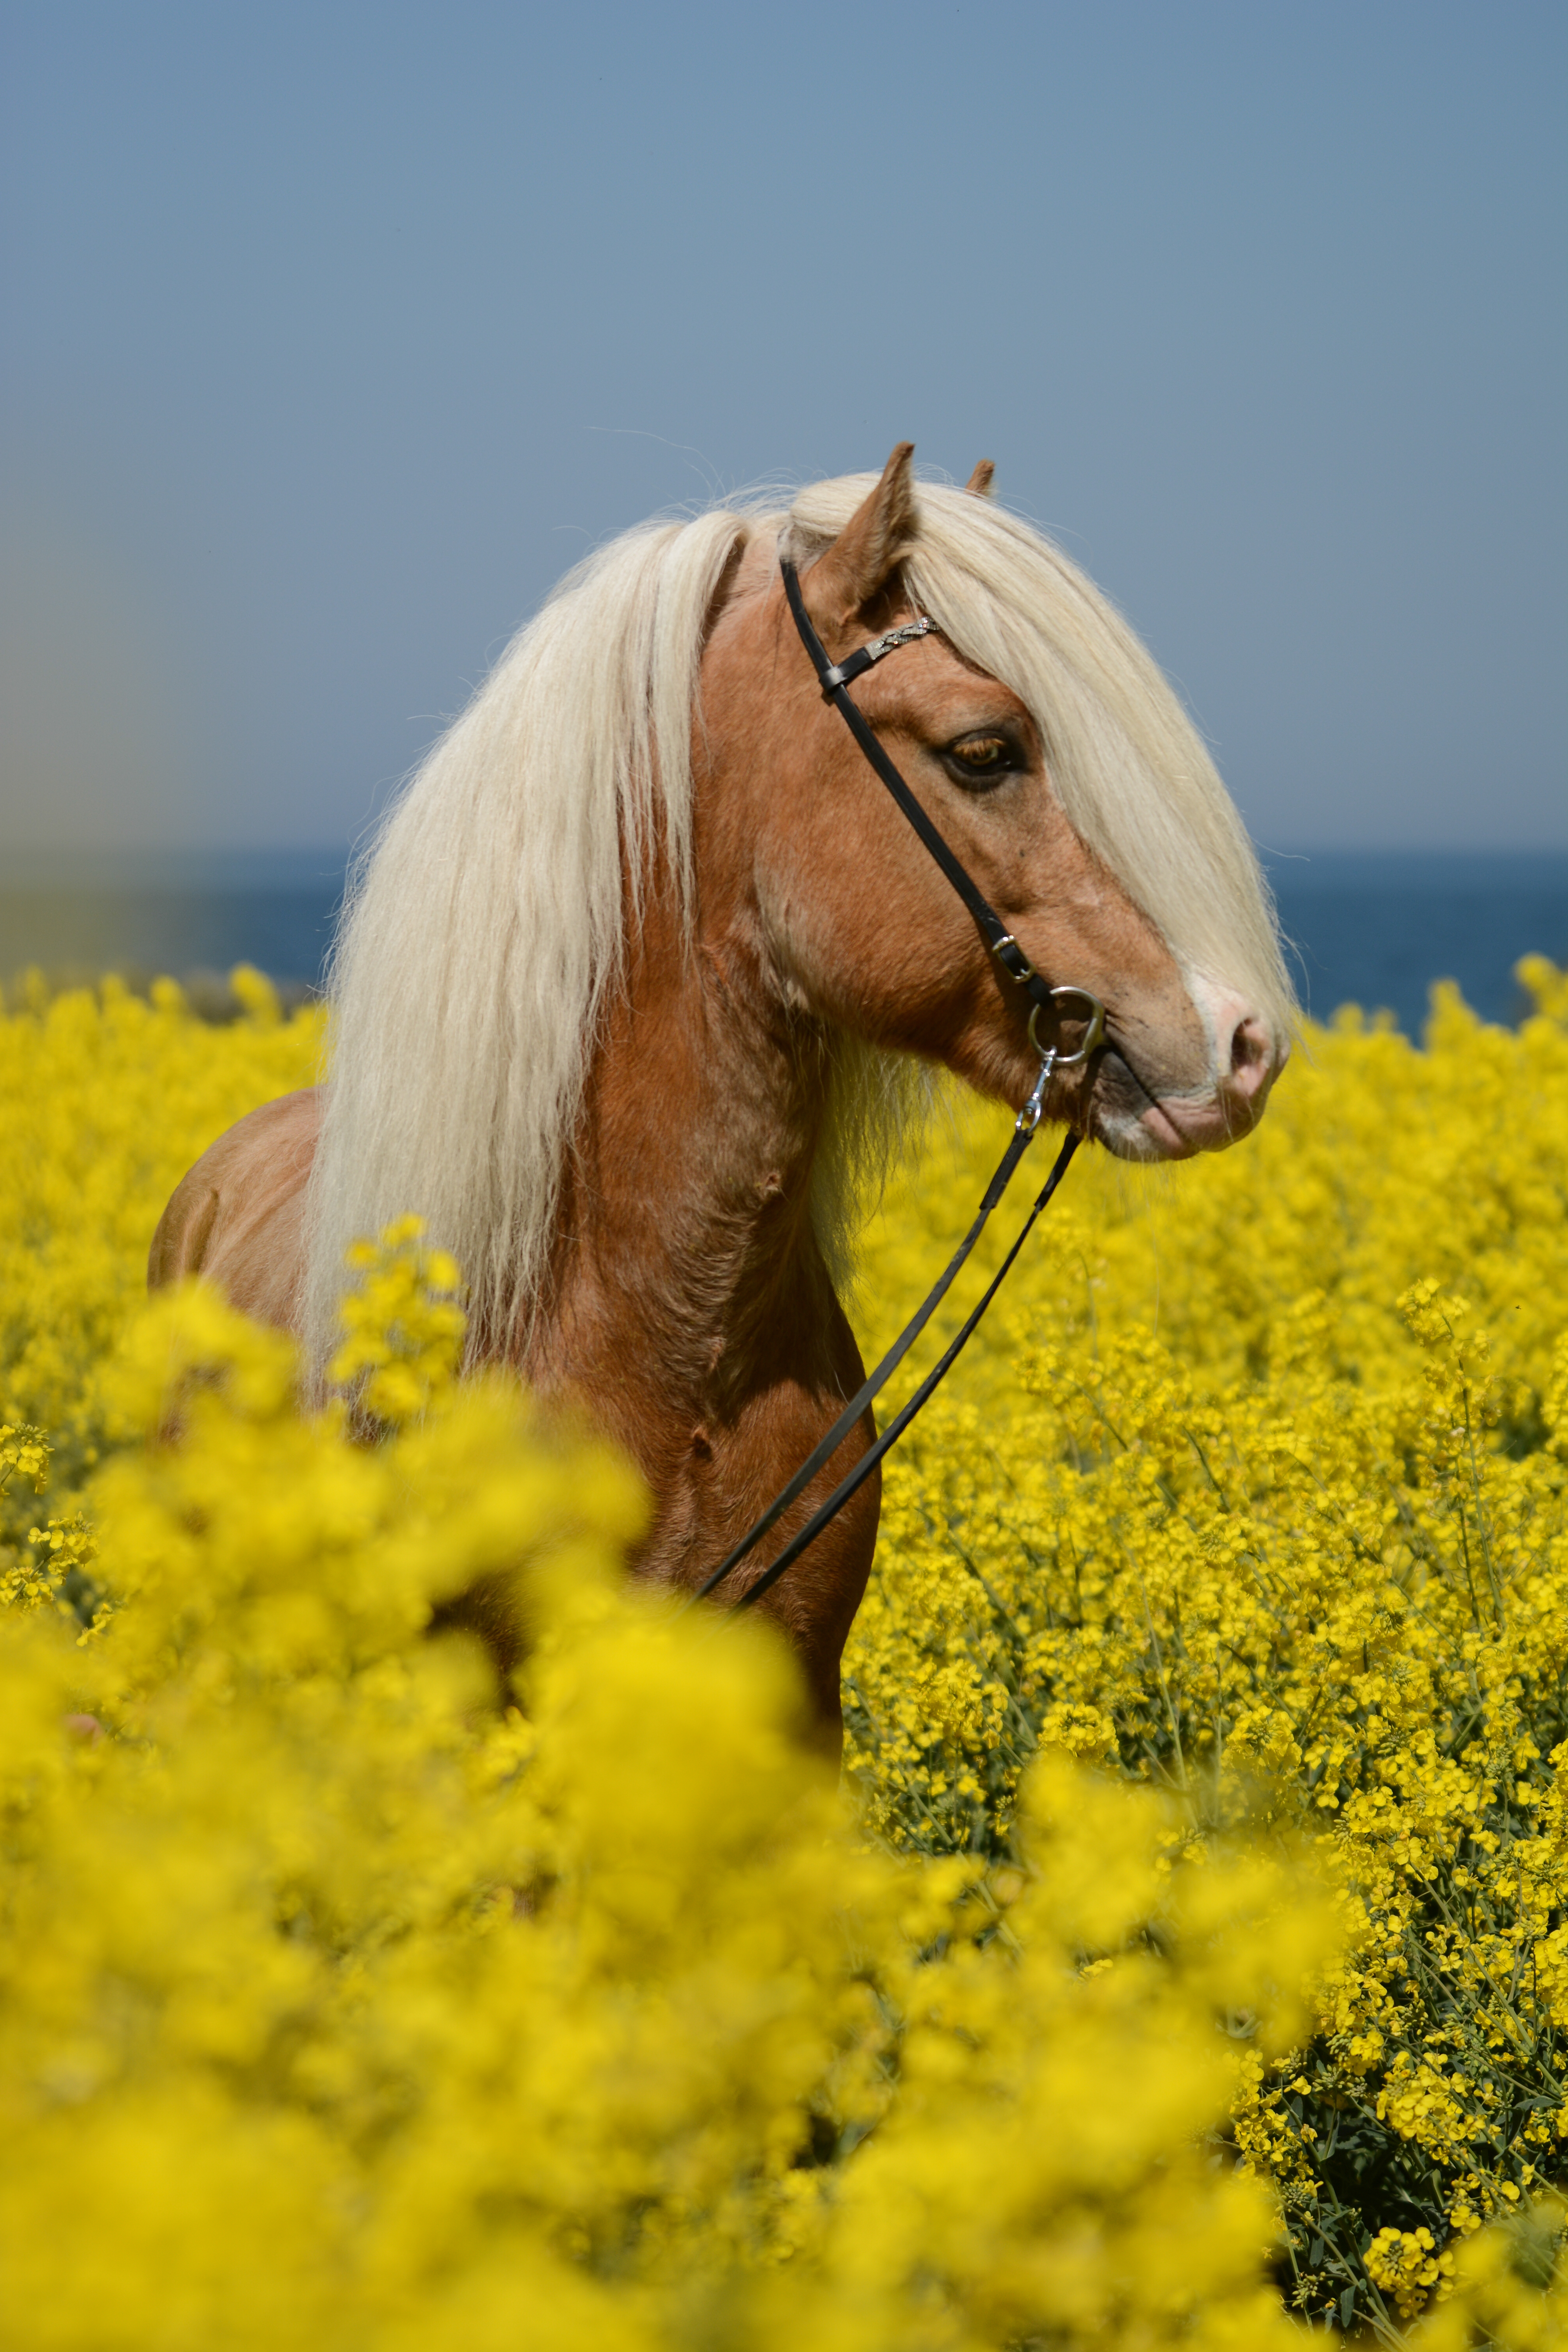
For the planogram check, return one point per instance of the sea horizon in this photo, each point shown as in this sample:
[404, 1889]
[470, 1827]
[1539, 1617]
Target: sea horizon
[1371, 926]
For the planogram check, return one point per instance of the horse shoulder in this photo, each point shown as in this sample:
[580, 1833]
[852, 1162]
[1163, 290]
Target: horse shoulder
[239, 1215]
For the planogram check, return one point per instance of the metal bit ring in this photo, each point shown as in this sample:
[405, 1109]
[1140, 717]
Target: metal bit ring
[1094, 1035]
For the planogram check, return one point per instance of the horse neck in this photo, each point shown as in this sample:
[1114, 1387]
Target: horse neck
[685, 1270]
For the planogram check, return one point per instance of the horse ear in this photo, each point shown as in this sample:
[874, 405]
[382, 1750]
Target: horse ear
[980, 481]
[871, 545]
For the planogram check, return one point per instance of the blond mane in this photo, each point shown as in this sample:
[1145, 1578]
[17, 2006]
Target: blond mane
[486, 923]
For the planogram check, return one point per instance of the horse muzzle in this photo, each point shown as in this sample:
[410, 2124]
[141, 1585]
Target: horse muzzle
[1138, 1116]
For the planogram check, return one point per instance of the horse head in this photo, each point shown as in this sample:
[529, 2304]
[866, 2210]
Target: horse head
[1056, 761]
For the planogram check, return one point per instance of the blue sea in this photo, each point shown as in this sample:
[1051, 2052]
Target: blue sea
[1373, 928]
[1378, 927]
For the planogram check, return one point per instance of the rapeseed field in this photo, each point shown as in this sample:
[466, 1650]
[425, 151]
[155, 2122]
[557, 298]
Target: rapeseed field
[1189, 1968]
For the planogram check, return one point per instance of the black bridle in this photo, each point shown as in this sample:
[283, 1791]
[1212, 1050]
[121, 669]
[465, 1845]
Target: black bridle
[836, 679]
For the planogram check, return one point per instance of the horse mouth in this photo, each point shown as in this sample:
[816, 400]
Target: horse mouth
[1134, 1122]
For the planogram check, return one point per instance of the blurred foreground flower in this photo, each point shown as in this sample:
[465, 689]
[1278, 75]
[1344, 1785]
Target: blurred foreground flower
[346, 2000]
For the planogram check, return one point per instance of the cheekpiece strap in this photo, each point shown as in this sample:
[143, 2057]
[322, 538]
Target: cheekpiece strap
[833, 677]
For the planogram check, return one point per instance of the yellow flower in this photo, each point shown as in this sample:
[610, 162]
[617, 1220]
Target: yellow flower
[351, 1995]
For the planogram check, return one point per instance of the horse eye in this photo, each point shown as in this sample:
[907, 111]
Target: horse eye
[983, 759]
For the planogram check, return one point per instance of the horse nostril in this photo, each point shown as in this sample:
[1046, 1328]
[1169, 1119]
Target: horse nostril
[1247, 1054]
[1250, 1055]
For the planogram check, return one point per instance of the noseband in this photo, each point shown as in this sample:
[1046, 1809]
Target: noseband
[835, 678]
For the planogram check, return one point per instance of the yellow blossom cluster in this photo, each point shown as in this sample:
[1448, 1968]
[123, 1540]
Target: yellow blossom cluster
[349, 1999]
[402, 1324]
[1255, 1487]
[105, 1101]
[356, 1995]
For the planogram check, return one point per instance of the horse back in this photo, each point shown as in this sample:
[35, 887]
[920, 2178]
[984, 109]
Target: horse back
[238, 1216]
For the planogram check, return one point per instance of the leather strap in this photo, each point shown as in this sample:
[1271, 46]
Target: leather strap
[834, 680]
[877, 1380]
[890, 1437]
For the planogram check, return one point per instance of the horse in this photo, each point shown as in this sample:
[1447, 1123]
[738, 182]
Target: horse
[640, 990]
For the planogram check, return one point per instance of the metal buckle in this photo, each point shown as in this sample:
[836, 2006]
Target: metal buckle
[1034, 1110]
[998, 949]
[1094, 1035]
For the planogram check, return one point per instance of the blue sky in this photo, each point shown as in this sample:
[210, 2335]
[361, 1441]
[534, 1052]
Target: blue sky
[334, 333]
